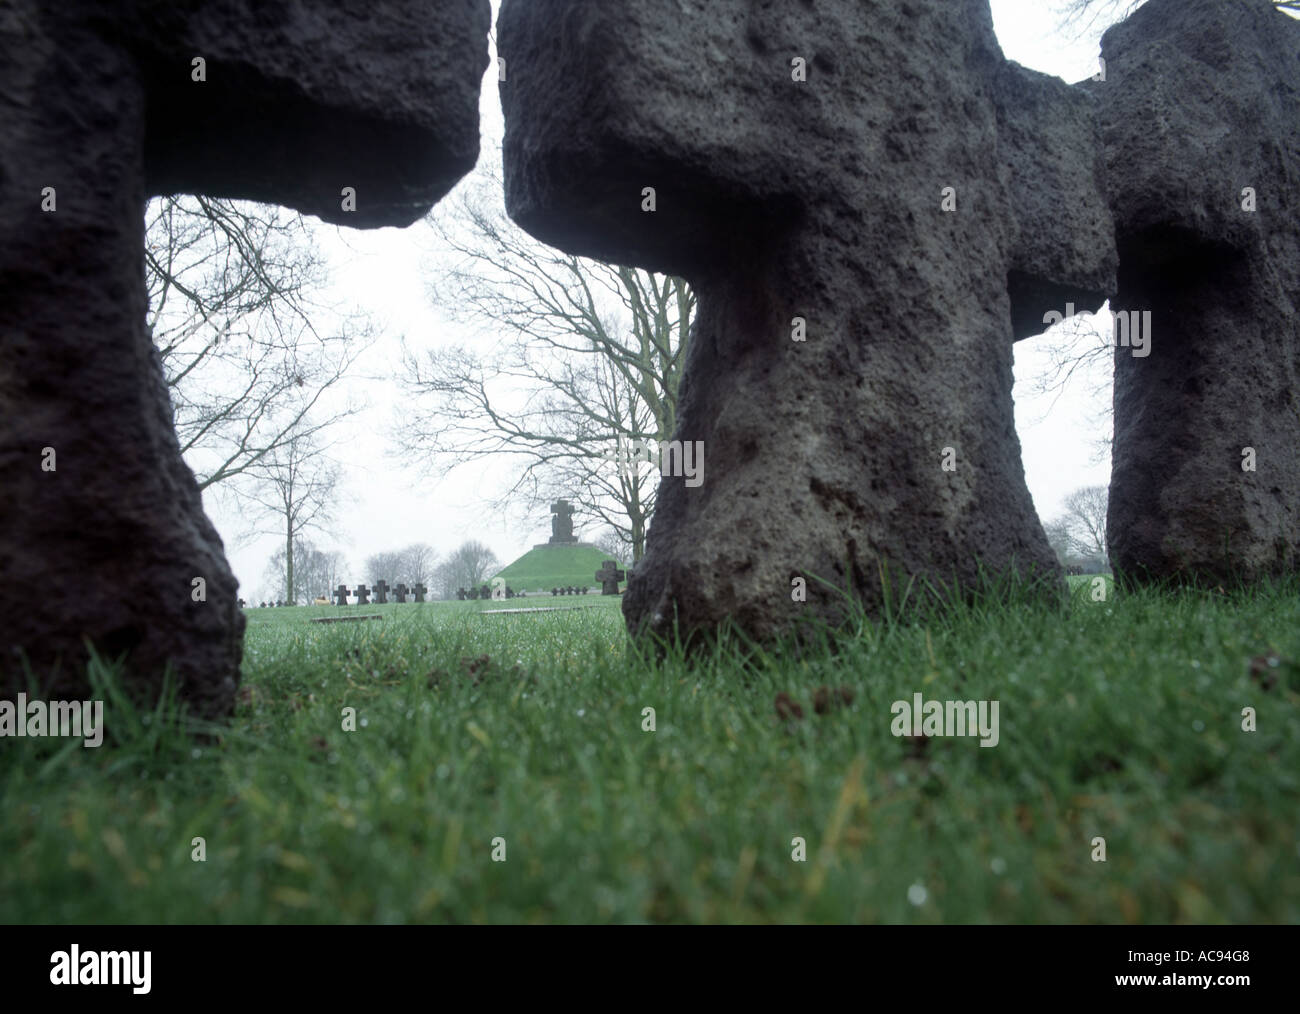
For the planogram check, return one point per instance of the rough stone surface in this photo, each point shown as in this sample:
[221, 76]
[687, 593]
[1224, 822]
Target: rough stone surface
[97, 101]
[1202, 99]
[818, 199]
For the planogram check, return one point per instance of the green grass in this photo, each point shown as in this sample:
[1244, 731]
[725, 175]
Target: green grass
[559, 566]
[1119, 718]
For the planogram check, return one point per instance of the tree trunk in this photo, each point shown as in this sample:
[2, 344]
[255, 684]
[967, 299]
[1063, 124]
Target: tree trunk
[638, 538]
[288, 564]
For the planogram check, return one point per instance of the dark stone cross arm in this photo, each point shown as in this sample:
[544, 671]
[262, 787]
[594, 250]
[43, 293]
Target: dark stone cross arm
[297, 102]
[302, 100]
[1053, 170]
[697, 151]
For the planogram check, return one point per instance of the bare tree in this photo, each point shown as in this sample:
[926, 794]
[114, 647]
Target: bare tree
[316, 572]
[383, 567]
[418, 562]
[1084, 521]
[584, 358]
[613, 544]
[291, 490]
[468, 566]
[326, 569]
[443, 584]
[1058, 537]
[233, 290]
[410, 566]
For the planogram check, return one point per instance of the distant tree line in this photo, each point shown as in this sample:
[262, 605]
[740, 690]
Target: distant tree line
[316, 572]
[470, 565]
[410, 566]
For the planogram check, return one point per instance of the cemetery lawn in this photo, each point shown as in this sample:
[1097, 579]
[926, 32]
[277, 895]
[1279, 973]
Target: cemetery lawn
[1119, 720]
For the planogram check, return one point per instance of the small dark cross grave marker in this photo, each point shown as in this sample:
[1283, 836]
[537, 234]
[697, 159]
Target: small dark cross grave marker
[341, 595]
[420, 591]
[363, 595]
[609, 576]
[399, 593]
[381, 592]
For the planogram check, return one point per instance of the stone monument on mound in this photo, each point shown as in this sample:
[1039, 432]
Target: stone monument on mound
[562, 524]
[562, 528]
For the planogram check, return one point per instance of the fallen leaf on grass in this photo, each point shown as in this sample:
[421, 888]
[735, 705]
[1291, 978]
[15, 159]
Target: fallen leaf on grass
[826, 700]
[787, 707]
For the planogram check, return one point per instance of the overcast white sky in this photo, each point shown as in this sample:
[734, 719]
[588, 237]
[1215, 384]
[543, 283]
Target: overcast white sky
[387, 502]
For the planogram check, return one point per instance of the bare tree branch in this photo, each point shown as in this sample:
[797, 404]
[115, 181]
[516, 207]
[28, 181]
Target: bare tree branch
[233, 309]
[1082, 17]
[583, 356]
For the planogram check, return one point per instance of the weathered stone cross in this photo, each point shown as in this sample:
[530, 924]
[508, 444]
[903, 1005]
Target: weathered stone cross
[341, 595]
[609, 576]
[399, 593]
[381, 592]
[562, 522]
[321, 107]
[1201, 110]
[869, 202]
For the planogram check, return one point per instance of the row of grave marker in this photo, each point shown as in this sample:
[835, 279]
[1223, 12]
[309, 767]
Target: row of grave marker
[609, 576]
[380, 591]
[485, 592]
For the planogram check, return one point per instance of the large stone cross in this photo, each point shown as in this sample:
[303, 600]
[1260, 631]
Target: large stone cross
[323, 107]
[869, 202]
[1201, 113]
[562, 522]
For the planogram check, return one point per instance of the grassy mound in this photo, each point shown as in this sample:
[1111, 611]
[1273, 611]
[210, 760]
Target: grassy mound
[544, 569]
